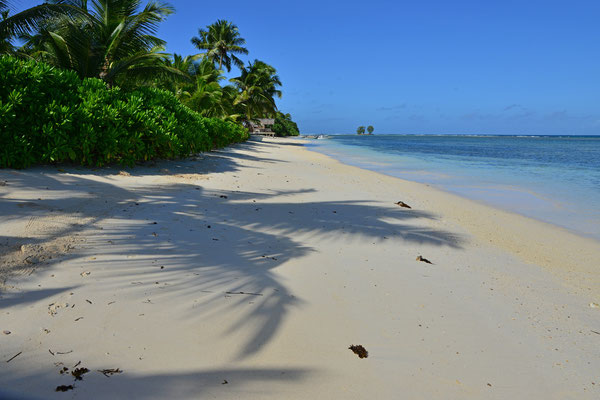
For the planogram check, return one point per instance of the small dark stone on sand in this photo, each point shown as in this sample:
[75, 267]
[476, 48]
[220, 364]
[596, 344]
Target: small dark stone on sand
[359, 350]
[64, 388]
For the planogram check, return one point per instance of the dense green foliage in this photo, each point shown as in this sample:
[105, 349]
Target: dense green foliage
[108, 39]
[370, 129]
[284, 126]
[49, 115]
[360, 130]
[99, 88]
[258, 86]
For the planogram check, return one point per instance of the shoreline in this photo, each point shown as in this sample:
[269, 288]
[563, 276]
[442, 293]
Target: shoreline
[572, 210]
[249, 271]
[504, 229]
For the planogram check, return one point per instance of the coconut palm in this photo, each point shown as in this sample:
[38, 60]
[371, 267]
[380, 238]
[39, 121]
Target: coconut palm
[27, 21]
[109, 39]
[222, 41]
[258, 86]
[186, 67]
[206, 95]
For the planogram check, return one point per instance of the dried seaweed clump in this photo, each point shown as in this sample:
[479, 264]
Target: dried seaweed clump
[359, 350]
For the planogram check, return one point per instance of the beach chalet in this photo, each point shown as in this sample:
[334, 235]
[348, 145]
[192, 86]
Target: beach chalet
[262, 127]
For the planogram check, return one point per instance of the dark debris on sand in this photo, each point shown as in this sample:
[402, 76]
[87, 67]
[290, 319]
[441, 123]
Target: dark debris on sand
[359, 350]
[110, 371]
[402, 204]
[79, 372]
[422, 259]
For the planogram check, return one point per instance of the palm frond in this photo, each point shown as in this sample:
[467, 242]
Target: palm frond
[33, 18]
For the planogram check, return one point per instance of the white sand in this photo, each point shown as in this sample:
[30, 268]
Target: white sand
[304, 257]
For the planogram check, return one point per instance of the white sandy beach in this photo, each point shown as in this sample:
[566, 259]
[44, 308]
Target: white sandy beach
[248, 272]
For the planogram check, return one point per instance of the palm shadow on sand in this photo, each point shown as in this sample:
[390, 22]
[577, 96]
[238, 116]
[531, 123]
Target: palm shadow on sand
[235, 258]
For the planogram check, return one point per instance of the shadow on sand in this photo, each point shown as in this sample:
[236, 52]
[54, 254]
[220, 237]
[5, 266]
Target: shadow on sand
[212, 243]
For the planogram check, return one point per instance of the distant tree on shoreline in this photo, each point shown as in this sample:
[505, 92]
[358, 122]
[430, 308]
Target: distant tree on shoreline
[370, 129]
[360, 130]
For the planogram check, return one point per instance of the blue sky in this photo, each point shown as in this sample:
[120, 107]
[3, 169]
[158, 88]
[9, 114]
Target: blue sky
[428, 66]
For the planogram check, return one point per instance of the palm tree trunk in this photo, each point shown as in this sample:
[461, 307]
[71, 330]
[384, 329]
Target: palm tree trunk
[104, 70]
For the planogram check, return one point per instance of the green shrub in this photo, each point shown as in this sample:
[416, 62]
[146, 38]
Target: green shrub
[284, 126]
[49, 115]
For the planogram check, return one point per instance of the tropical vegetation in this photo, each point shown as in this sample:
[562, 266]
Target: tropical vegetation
[222, 41]
[50, 115]
[102, 88]
[284, 126]
[370, 129]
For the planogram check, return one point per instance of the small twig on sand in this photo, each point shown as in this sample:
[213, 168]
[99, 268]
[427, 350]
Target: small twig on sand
[110, 371]
[423, 259]
[13, 357]
[249, 294]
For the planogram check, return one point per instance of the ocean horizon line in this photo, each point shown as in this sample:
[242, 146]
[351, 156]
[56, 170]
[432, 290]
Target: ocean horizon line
[455, 134]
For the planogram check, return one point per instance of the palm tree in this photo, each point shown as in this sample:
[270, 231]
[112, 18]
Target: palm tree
[186, 67]
[258, 86]
[360, 130]
[207, 96]
[27, 21]
[222, 41]
[109, 39]
[370, 129]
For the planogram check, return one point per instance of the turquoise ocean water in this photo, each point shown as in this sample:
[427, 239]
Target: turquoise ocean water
[555, 179]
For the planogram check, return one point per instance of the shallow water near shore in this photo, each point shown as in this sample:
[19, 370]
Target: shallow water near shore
[554, 179]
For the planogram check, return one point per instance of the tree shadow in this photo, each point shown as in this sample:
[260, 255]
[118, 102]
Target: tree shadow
[31, 296]
[218, 249]
[221, 383]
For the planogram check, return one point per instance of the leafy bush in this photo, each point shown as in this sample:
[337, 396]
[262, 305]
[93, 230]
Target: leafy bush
[49, 115]
[284, 126]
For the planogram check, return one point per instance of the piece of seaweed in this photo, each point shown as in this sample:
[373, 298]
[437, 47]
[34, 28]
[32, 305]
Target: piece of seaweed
[79, 372]
[359, 350]
[422, 259]
[402, 204]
